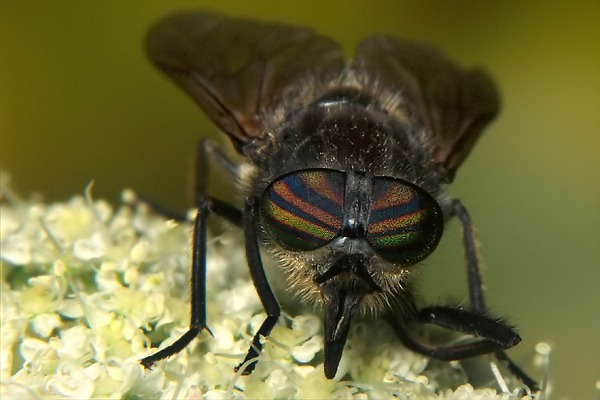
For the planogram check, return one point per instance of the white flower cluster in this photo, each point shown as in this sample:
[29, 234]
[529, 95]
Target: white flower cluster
[88, 290]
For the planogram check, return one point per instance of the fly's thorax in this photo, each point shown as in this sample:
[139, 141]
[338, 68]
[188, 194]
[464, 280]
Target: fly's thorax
[346, 130]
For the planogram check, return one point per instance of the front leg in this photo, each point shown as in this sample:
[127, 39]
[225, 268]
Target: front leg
[198, 296]
[476, 296]
[257, 272]
[492, 334]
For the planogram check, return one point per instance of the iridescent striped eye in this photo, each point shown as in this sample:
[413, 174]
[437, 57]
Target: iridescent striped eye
[304, 210]
[405, 224]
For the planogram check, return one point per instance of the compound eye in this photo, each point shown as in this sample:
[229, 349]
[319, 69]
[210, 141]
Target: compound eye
[405, 223]
[304, 210]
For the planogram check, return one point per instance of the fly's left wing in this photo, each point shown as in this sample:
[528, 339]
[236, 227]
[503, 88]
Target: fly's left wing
[453, 104]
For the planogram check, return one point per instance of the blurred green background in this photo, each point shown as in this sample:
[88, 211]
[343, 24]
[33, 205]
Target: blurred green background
[79, 101]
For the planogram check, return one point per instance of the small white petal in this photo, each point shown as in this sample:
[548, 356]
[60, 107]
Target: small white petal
[91, 248]
[307, 325]
[70, 308]
[103, 210]
[74, 342]
[31, 348]
[306, 351]
[44, 324]
[71, 382]
[224, 340]
[16, 249]
[139, 252]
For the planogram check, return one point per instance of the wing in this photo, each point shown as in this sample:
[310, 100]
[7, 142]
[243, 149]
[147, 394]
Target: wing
[238, 71]
[452, 103]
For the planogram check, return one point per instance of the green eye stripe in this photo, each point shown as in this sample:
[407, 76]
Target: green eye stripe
[293, 222]
[393, 241]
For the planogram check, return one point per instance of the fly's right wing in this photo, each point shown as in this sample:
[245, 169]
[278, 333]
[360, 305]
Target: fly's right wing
[239, 71]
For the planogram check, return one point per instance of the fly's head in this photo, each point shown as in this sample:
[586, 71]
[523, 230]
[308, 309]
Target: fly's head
[351, 230]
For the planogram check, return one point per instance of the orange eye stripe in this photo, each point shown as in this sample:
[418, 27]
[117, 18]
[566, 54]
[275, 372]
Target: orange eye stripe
[283, 190]
[397, 222]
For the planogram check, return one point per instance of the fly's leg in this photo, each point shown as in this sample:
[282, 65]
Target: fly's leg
[475, 282]
[206, 206]
[493, 333]
[257, 272]
[198, 296]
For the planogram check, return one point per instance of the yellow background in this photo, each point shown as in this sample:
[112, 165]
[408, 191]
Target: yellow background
[79, 101]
